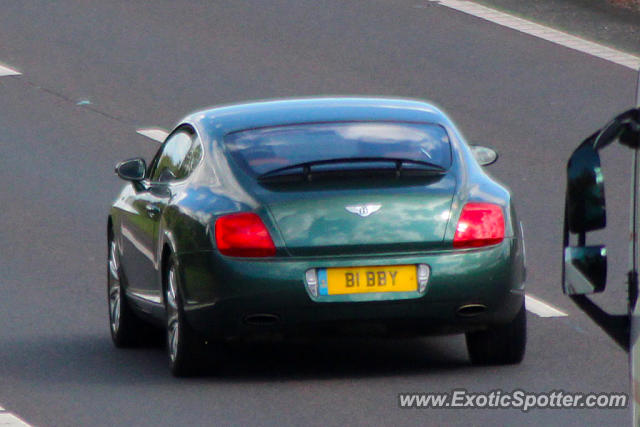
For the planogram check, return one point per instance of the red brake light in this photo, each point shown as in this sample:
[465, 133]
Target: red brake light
[243, 235]
[480, 224]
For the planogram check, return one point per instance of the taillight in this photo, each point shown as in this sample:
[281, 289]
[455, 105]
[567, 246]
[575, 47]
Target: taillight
[243, 235]
[480, 224]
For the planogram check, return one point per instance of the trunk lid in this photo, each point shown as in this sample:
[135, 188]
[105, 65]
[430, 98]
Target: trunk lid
[349, 221]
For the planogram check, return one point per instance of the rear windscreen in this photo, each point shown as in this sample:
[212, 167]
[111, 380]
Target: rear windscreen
[266, 149]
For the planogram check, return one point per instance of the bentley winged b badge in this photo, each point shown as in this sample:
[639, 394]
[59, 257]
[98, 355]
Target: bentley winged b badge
[363, 210]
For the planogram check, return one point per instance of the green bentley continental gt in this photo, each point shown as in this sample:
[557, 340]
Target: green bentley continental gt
[315, 216]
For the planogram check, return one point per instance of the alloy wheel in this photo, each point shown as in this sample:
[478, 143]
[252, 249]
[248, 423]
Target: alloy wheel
[114, 288]
[173, 320]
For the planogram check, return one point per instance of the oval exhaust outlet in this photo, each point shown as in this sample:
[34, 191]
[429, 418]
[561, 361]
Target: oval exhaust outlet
[470, 310]
[262, 319]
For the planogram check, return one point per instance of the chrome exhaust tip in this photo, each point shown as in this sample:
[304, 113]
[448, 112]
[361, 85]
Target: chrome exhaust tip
[471, 310]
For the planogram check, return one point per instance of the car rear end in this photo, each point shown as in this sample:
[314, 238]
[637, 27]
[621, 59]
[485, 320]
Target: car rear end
[366, 226]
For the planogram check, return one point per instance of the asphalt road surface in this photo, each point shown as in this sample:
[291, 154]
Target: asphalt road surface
[94, 71]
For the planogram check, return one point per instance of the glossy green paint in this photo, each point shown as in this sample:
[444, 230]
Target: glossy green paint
[454, 274]
[237, 288]
[320, 225]
[311, 228]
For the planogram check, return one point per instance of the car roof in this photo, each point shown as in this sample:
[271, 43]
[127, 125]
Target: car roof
[232, 118]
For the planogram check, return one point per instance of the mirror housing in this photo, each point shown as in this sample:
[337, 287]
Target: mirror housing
[585, 270]
[132, 169]
[485, 156]
[585, 191]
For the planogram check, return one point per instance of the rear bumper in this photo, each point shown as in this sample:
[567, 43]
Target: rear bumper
[234, 297]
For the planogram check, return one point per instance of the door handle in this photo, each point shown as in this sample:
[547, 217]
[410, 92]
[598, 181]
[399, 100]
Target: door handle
[152, 210]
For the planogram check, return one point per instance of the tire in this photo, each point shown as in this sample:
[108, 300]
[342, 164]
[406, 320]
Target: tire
[184, 347]
[126, 328]
[499, 345]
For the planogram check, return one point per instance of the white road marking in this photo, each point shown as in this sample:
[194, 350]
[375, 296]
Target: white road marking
[7, 71]
[156, 134]
[546, 33]
[9, 420]
[541, 308]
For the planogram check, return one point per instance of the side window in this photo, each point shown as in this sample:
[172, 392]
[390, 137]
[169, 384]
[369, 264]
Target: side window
[168, 164]
[192, 159]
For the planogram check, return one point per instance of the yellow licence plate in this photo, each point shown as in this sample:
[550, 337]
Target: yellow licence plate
[358, 280]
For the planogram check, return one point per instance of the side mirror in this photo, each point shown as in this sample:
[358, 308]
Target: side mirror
[484, 156]
[585, 191]
[132, 169]
[585, 270]
[584, 267]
